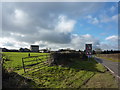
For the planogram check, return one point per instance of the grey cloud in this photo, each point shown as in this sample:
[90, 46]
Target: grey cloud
[109, 46]
[43, 18]
[9, 44]
[51, 37]
[42, 45]
[40, 13]
[79, 41]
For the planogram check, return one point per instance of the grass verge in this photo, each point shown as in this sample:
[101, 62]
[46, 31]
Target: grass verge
[110, 57]
[74, 75]
[102, 80]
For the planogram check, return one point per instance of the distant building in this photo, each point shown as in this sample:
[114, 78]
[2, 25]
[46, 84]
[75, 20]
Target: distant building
[34, 48]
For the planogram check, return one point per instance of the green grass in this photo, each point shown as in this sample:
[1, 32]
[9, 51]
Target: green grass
[73, 75]
[89, 65]
[110, 57]
[102, 80]
[60, 77]
[15, 59]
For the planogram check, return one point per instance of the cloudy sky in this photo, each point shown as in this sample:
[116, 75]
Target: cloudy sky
[59, 25]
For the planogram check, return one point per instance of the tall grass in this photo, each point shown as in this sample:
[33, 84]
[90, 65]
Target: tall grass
[70, 76]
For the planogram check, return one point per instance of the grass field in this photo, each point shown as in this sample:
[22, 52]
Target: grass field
[111, 57]
[74, 75]
[14, 59]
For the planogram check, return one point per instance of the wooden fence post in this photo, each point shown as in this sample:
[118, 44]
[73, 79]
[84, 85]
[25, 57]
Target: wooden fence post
[23, 65]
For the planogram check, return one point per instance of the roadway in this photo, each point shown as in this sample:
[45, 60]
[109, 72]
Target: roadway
[112, 66]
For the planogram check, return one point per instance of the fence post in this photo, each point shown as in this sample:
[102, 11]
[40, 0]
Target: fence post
[23, 65]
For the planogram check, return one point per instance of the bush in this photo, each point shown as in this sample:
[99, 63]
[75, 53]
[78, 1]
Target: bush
[58, 58]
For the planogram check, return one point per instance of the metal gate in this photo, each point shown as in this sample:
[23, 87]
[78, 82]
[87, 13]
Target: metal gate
[34, 63]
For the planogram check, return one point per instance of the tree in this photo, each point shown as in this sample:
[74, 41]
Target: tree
[21, 50]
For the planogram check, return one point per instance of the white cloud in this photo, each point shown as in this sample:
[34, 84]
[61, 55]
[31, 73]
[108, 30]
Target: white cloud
[110, 43]
[95, 21]
[92, 20]
[108, 46]
[89, 17]
[79, 41]
[11, 43]
[19, 17]
[115, 18]
[17, 34]
[46, 24]
[64, 24]
[112, 38]
[87, 36]
[112, 9]
[106, 18]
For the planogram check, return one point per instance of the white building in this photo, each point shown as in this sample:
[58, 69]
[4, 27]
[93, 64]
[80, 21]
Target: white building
[34, 48]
